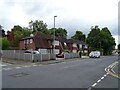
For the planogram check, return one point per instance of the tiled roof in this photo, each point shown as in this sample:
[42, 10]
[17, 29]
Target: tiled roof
[76, 41]
[41, 40]
[29, 37]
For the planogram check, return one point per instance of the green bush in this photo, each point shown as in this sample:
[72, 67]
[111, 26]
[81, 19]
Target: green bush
[4, 43]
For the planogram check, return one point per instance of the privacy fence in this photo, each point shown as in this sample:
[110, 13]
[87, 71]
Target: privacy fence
[20, 55]
[71, 55]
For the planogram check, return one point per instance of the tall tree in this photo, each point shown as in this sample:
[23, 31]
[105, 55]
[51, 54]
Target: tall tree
[107, 41]
[58, 32]
[19, 32]
[93, 39]
[79, 36]
[119, 47]
[101, 40]
[38, 25]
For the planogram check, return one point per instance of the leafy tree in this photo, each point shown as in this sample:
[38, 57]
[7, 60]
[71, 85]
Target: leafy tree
[58, 32]
[79, 36]
[2, 32]
[4, 43]
[118, 46]
[38, 26]
[19, 33]
[107, 41]
[93, 38]
[101, 40]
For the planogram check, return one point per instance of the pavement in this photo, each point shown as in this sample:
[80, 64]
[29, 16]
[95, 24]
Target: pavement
[58, 60]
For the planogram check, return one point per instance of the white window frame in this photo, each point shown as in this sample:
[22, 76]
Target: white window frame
[80, 45]
[27, 41]
[56, 42]
[31, 40]
[74, 45]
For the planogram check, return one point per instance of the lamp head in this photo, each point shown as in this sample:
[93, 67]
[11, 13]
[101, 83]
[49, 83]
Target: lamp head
[55, 16]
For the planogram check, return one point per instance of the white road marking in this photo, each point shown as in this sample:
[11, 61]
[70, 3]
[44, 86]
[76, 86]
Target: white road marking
[34, 65]
[107, 69]
[98, 81]
[94, 84]
[52, 64]
[7, 68]
[110, 70]
[89, 88]
[17, 67]
[26, 66]
[40, 65]
[3, 65]
[105, 75]
[102, 77]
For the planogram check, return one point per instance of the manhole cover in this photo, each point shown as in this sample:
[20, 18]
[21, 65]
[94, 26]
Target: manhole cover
[19, 75]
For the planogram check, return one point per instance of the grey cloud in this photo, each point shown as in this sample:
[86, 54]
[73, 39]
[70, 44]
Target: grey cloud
[85, 27]
[40, 9]
[44, 9]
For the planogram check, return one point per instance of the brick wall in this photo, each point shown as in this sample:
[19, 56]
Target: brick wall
[28, 46]
[22, 45]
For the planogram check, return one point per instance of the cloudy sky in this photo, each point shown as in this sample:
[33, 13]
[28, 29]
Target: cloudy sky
[71, 14]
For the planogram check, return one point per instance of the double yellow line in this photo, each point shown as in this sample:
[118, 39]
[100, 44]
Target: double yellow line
[110, 70]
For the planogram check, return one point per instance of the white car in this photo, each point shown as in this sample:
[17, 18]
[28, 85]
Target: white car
[94, 54]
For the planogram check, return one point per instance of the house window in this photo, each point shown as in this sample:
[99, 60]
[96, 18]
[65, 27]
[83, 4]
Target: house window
[31, 40]
[27, 41]
[55, 42]
[74, 45]
[80, 45]
[65, 44]
[85, 46]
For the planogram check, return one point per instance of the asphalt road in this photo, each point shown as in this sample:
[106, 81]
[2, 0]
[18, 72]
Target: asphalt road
[81, 73]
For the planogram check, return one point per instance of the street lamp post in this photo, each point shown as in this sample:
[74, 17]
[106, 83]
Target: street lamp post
[54, 35]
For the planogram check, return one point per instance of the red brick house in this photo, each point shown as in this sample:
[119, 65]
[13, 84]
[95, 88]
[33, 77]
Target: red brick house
[76, 45]
[46, 44]
[36, 41]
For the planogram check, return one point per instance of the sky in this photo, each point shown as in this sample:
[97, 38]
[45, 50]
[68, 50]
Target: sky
[71, 14]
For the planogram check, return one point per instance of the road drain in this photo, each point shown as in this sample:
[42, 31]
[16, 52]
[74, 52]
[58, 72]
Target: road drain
[19, 75]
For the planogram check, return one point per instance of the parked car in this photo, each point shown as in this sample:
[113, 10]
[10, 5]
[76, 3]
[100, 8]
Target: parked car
[61, 55]
[94, 54]
[32, 51]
